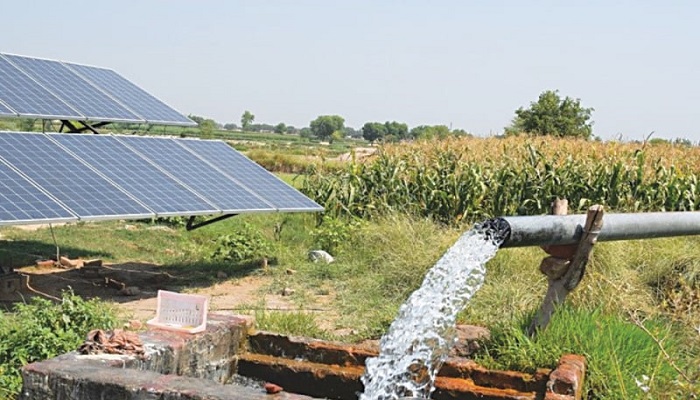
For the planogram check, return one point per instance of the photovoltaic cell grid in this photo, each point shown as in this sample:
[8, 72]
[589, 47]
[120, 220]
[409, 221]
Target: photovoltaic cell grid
[62, 177]
[5, 111]
[20, 201]
[141, 179]
[76, 185]
[74, 90]
[28, 98]
[227, 195]
[147, 106]
[52, 89]
[251, 175]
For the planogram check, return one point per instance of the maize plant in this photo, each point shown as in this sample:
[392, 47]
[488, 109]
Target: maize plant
[467, 179]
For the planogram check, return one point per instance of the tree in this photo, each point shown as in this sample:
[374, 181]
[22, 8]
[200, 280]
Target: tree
[373, 131]
[389, 131]
[396, 131]
[230, 126]
[281, 128]
[352, 132]
[431, 132]
[246, 119]
[305, 133]
[324, 126]
[206, 125]
[196, 118]
[552, 115]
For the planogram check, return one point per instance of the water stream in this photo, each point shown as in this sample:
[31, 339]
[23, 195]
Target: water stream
[419, 339]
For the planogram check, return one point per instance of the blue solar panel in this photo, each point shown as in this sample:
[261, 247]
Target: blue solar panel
[132, 96]
[74, 90]
[132, 172]
[73, 183]
[226, 194]
[29, 98]
[6, 111]
[251, 175]
[21, 201]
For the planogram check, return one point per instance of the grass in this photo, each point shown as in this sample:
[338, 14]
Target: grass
[619, 353]
[382, 259]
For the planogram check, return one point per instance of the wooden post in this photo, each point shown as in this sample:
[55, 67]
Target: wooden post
[566, 265]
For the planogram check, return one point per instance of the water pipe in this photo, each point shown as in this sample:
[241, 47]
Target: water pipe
[544, 230]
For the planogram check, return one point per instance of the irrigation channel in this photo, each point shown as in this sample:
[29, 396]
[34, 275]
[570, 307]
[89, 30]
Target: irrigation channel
[418, 341]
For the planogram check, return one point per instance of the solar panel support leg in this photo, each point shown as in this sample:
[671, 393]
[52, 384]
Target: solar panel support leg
[86, 127]
[192, 226]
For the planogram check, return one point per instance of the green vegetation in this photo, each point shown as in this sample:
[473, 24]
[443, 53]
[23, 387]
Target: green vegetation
[636, 313]
[246, 119]
[470, 179]
[386, 132]
[245, 244]
[328, 127]
[619, 353]
[43, 329]
[552, 115]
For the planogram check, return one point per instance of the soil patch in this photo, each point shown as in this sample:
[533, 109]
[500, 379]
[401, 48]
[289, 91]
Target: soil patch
[133, 289]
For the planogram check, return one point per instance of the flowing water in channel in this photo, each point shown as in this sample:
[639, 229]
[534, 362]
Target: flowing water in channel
[419, 339]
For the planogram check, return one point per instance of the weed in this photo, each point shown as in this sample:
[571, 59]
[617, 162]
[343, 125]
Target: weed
[333, 232]
[245, 244]
[618, 353]
[42, 329]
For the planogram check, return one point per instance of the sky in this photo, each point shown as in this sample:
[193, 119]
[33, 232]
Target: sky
[465, 64]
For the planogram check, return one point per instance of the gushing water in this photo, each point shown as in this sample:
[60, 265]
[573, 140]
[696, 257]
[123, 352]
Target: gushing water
[419, 339]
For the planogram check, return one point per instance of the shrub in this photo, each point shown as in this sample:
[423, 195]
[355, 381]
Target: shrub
[43, 329]
[332, 232]
[246, 244]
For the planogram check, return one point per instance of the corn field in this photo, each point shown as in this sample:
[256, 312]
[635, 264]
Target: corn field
[469, 179]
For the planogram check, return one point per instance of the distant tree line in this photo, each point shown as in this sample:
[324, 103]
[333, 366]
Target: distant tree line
[551, 115]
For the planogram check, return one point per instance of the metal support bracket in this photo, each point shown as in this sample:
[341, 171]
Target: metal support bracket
[191, 225]
[86, 126]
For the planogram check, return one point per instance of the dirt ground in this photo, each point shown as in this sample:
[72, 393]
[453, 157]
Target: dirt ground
[133, 289]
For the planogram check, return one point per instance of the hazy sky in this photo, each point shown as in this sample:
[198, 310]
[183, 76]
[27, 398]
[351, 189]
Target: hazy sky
[465, 63]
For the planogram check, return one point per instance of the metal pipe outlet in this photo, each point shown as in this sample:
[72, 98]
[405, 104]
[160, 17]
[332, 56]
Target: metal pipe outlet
[567, 229]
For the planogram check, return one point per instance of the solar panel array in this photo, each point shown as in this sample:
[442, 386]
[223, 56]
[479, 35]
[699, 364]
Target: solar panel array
[40, 88]
[21, 201]
[64, 177]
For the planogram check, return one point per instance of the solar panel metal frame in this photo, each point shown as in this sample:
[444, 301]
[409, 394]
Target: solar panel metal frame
[212, 211]
[224, 210]
[24, 75]
[93, 217]
[88, 78]
[9, 112]
[31, 184]
[279, 208]
[17, 61]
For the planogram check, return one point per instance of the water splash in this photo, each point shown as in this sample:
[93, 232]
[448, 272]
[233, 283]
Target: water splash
[419, 339]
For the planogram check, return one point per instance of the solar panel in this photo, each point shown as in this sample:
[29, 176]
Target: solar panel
[6, 111]
[141, 179]
[251, 175]
[150, 108]
[21, 201]
[225, 193]
[82, 190]
[28, 98]
[74, 90]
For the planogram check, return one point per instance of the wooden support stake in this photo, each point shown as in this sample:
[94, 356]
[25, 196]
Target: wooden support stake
[566, 265]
